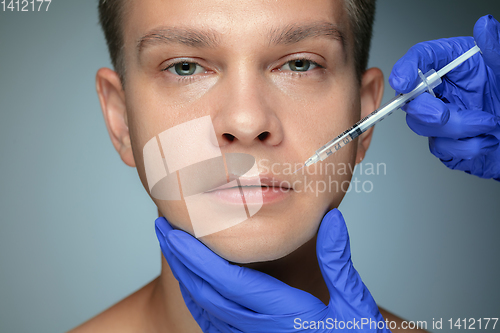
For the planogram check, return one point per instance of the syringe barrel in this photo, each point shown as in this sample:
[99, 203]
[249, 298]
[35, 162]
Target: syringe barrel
[432, 79]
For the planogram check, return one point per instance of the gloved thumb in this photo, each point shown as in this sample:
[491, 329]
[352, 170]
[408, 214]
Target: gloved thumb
[487, 37]
[334, 256]
[163, 227]
[347, 290]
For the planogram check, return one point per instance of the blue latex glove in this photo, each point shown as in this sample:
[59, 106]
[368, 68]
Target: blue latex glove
[462, 123]
[223, 297]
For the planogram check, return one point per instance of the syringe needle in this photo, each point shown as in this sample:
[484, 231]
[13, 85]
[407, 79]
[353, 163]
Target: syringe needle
[299, 169]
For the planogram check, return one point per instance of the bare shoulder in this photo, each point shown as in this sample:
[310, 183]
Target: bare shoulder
[400, 323]
[126, 316]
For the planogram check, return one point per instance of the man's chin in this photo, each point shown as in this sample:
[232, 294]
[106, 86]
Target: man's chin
[255, 240]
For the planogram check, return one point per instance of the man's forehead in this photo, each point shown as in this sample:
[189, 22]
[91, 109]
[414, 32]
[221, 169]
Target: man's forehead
[282, 21]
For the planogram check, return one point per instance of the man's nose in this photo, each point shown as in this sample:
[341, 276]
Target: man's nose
[246, 114]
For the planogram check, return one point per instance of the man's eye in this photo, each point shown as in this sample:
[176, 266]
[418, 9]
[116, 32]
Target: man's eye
[185, 68]
[299, 65]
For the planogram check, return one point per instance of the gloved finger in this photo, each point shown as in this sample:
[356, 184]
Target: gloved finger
[226, 315]
[268, 296]
[484, 166]
[216, 305]
[460, 124]
[487, 37]
[222, 326]
[334, 256]
[426, 56]
[198, 313]
[205, 320]
[468, 148]
[209, 300]
[427, 110]
[215, 324]
[474, 166]
[162, 227]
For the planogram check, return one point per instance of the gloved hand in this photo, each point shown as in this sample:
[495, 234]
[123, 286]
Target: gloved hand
[462, 123]
[223, 297]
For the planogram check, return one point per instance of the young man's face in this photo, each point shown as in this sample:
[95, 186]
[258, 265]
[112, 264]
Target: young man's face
[276, 77]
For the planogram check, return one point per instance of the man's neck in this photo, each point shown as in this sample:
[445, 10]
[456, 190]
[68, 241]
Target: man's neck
[167, 309]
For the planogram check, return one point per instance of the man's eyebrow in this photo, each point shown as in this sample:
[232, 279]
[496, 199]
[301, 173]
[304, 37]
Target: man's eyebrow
[295, 33]
[186, 36]
[209, 38]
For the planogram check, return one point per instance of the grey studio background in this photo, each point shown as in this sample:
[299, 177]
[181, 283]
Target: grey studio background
[77, 227]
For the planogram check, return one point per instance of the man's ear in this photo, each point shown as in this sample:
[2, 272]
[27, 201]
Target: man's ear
[112, 99]
[372, 90]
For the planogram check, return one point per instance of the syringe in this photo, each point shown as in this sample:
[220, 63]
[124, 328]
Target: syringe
[429, 81]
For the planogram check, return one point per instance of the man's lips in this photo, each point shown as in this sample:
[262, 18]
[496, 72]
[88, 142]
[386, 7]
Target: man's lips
[255, 190]
[264, 182]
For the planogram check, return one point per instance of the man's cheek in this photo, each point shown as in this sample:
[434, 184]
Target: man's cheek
[176, 213]
[328, 181]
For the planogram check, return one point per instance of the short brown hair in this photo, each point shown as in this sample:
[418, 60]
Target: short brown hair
[111, 14]
[361, 16]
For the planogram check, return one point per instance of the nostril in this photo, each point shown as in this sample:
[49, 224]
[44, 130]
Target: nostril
[262, 136]
[229, 137]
